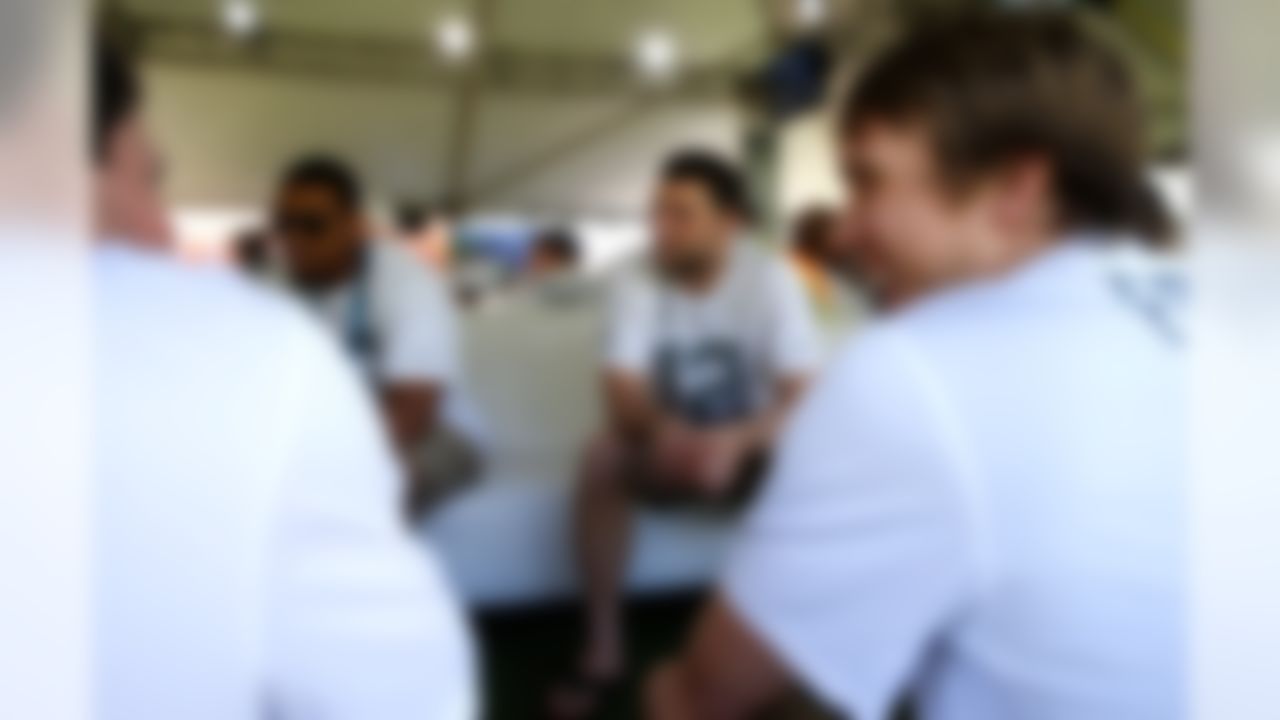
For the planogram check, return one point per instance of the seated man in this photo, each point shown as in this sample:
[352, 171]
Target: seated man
[394, 316]
[981, 503]
[711, 344]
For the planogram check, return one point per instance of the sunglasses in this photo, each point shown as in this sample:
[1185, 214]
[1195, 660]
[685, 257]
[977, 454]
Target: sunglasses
[306, 224]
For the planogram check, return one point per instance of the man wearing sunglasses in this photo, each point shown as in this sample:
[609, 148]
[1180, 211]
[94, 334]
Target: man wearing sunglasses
[393, 317]
[247, 558]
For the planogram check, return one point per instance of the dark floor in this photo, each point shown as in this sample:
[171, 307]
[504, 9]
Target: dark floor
[526, 651]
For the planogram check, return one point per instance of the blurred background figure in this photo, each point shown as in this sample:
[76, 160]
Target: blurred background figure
[427, 233]
[710, 344]
[833, 269]
[554, 270]
[394, 317]
[555, 252]
[969, 508]
[248, 558]
[815, 256]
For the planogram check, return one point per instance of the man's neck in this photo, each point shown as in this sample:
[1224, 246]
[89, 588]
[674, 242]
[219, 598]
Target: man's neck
[1006, 255]
[992, 260]
[1023, 251]
[320, 286]
[705, 279]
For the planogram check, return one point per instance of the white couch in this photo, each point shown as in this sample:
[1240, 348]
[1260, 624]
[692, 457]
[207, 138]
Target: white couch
[533, 374]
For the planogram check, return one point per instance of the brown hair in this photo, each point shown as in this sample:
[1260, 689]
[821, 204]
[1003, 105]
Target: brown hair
[117, 94]
[991, 87]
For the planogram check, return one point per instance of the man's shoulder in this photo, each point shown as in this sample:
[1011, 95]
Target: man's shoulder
[762, 270]
[996, 303]
[153, 292]
[399, 263]
[403, 280]
[633, 280]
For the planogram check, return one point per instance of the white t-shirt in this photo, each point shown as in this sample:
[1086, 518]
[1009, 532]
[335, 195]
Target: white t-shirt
[248, 555]
[406, 313]
[715, 357]
[982, 502]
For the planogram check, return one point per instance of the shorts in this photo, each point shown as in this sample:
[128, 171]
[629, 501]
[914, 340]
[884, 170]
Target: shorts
[651, 490]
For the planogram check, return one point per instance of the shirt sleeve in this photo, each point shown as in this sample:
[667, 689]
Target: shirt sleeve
[420, 340]
[359, 621]
[859, 547]
[797, 346]
[631, 338]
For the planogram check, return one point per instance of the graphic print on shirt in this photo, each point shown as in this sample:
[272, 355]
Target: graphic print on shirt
[706, 383]
[1159, 299]
[361, 337]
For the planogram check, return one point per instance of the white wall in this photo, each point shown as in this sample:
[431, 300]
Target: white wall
[808, 171]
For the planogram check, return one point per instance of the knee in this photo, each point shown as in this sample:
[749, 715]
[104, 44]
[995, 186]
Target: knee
[603, 461]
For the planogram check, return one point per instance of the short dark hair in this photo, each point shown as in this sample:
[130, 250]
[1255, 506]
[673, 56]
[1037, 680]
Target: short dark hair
[721, 179]
[991, 86]
[413, 217]
[812, 230]
[560, 243]
[328, 172]
[117, 94]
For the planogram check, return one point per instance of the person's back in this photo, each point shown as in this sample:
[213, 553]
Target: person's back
[1060, 404]
[1000, 532]
[247, 551]
[248, 557]
[981, 504]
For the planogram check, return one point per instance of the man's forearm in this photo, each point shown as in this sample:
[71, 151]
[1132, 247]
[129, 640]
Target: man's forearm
[761, 432]
[631, 409]
[411, 412]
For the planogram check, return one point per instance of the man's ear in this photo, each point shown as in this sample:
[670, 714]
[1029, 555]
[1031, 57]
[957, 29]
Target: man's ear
[1022, 194]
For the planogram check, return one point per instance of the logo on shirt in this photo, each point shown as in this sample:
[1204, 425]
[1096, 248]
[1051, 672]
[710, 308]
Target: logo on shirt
[707, 383]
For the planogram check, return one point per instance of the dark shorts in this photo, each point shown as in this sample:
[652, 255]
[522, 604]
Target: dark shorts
[652, 490]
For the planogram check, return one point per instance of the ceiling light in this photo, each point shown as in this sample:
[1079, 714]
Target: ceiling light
[657, 55]
[455, 38]
[241, 18]
[810, 14]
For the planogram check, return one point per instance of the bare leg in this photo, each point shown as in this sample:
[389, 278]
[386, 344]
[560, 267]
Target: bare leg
[602, 525]
[602, 534]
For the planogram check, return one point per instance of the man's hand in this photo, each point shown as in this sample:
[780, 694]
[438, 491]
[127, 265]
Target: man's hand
[720, 454]
[411, 411]
[706, 461]
[676, 452]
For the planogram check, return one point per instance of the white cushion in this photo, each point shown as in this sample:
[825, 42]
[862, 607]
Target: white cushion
[532, 376]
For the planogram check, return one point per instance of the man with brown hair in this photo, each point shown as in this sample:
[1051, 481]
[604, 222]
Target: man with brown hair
[979, 505]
